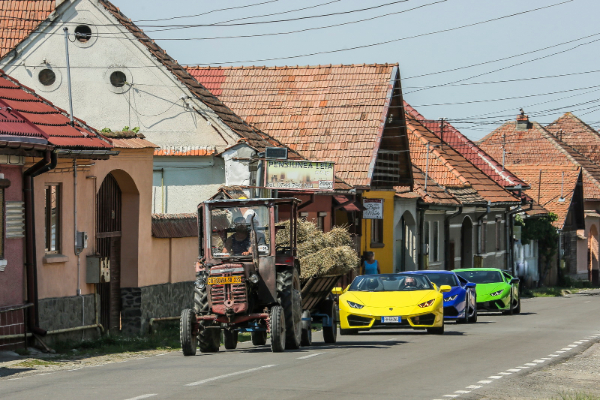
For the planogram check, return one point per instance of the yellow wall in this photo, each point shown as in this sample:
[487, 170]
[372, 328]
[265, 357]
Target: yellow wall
[384, 255]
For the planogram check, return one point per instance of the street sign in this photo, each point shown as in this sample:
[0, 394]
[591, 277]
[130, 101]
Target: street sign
[373, 209]
[299, 175]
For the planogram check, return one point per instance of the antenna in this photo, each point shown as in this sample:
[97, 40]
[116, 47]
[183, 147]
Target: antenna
[69, 75]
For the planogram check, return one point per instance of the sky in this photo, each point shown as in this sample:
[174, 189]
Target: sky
[472, 62]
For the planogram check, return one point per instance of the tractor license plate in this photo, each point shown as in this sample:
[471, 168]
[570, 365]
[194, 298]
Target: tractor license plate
[224, 280]
[391, 320]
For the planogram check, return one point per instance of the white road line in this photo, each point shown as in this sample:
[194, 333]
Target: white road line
[531, 364]
[495, 377]
[75, 369]
[228, 375]
[451, 395]
[389, 340]
[485, 381]
[504, 373]
[514, 369]
[144, 396]
[539, 361]
[573, 345]
[473, 387]
[462, 391]
[523, 367]
[554, 355]
[544, 358]
[583, 340]
[561, 351]
[566, 348]
[13, 379]
[47, 373]
[580, 341]
[308, 356]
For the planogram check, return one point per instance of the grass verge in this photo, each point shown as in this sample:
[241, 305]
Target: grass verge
[576, 396]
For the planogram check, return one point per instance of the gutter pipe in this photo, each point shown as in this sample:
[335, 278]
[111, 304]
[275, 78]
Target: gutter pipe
[46, 164]
[447, 238]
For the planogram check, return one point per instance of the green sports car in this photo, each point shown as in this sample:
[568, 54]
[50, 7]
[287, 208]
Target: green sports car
[496, 290]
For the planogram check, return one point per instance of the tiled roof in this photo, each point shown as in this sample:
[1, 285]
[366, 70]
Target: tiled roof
[13, 125]
[252, 136]
[577, 134]
[174, 225]
[19, 18]
[468, 149]
[133, 143]
[536, 146]
[550, 186]
[325, 112]
[185, 151]
[451, 170]
[53, 121]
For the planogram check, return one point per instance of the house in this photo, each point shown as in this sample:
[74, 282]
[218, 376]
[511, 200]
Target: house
[462, 211]
[19, 139]
[351, 115]
[561, 179]
[122, 79]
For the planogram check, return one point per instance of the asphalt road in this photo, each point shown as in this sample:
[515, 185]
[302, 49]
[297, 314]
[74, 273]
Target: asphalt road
[379, 364]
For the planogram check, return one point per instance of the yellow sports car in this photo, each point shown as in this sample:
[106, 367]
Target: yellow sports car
[391, 301]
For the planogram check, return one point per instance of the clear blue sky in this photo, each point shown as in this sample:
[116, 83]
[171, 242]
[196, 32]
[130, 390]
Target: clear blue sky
[520, 34]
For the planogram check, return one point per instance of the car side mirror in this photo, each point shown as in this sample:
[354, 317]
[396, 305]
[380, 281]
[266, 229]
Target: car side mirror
[337, 290]
[470, 285]
[514, 280]
[445, 288]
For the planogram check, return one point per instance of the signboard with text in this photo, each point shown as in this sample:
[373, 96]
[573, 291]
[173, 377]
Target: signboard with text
[373, 209]
[299, 175]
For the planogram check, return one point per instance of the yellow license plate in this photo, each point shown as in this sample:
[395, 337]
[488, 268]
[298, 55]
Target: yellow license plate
[224, 280]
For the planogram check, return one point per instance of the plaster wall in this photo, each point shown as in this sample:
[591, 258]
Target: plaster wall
[431, 217]
[13, 277]
[57, 275]
[237, 172]
[408, 259]
[173, 261]
[384, 253]
[582, 254]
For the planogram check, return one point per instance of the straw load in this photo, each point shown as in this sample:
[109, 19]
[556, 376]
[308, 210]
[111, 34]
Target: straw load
[320, 254]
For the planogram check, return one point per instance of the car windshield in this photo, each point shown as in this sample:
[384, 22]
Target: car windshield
[231, 231]
[482, 276]
[390, 283]
[443, 279]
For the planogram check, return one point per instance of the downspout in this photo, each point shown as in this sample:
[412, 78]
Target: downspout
[480, 244]
[421, 225]
[447, 238]
[46, 164]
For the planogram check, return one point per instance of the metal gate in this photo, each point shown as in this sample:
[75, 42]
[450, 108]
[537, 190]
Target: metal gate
[108, 245]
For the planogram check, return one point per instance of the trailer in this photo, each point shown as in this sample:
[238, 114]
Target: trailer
[319, 306]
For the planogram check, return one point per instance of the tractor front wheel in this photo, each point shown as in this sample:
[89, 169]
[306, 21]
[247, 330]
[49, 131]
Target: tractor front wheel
[277, 322]
[259, 338]
[189, 341]
[230, 339]
[306, 329]
[290, 298]
[210, 340]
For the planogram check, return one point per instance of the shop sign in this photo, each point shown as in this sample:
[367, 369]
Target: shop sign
[373, 209]
[299, 175]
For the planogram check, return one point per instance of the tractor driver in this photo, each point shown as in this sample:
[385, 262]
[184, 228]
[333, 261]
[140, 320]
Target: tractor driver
[239, 242]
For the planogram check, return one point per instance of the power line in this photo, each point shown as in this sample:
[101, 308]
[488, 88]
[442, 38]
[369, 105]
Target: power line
[208, 12]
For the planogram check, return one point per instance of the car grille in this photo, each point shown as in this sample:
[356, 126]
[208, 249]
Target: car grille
[355, 320]
[450, 312]
[427, 319]
[236, 294]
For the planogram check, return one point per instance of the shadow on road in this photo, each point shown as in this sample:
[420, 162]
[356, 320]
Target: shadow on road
[7, 371]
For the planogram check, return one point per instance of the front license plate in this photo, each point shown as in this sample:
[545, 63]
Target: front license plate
[224, 280]
[391, 320]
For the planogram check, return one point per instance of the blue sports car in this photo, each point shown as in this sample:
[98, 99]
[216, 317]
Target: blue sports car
[460, 304]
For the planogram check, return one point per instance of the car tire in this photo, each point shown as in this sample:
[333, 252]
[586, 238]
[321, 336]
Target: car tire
[517, 309]
[510, 305]
[210, 340]
[436, 331]
[230, 339]
[348, 332]
[465, 320]
[330, 332]
[473, 318]
[259, 338]
[306, 329]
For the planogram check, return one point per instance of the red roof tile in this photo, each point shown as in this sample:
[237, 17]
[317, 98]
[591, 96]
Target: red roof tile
[327, 113]
[14, 125]
[577, 134]
[51, 120]
[19, 18]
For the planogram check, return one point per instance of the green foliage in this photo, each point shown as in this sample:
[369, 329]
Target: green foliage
[125, 129]
[542, 230]
[136, 129]
[105, 130]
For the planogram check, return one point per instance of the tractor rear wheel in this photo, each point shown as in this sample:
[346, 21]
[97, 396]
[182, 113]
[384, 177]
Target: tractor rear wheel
[306, 329]
[230, 339]
[189, 341]
[330, 332]
[290, 298]
[259, 338]
[277, 322]
[200, 295]
[210, 340]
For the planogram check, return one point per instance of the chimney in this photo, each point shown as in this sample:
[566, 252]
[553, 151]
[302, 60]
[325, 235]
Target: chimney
[522, 121]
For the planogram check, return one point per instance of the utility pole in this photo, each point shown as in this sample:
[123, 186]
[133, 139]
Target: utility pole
[503, 150]
[442, 130]
[426, 167]
[540, 187]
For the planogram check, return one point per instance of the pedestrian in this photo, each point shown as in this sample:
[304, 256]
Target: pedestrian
[370, 265]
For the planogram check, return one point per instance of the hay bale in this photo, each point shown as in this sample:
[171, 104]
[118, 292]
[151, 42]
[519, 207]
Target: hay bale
[328, 262]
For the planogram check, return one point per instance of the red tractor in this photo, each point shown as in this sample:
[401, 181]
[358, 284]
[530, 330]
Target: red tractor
[244, 281]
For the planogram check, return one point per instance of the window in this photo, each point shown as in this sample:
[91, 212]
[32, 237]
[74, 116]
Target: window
[498, 233]
[83, 33]
[304, 216]
[376, 233]
[435, 231]
[52, 218]
[118, 79]
[321, 220]
[47, 77]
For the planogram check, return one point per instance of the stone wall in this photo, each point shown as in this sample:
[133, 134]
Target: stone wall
[569, 242]
[139, 305]
[67, 312]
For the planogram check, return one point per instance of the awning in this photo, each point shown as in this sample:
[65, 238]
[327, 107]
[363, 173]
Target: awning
[347, 203]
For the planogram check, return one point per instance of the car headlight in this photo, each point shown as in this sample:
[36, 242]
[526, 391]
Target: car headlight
[451, 298]
[355, 305]
[201, 282]
[427, 303]
[253, 278]
[498, 293]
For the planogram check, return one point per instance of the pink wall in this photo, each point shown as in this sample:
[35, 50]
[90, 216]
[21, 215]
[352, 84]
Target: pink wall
[11, 280]
[320, 204]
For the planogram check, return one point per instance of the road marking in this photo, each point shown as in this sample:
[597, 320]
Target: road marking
[544, 358]
[572, 345]
[389, 340]
[539, 361]
[566, 348]
[75, 369]
[47, 373]
[485, 382]
[504, 373]
[13, 379]
[554, 355]
[523, 367]
[144, 396]
[163, 354]
[495, 377]
[451, 395]
[580, 341]
[514, 369]
[462, 391]
[473, 387]
[583, 340]
[308, 356]
[228, 375]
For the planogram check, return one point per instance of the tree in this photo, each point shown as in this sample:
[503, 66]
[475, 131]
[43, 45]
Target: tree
[546, 234]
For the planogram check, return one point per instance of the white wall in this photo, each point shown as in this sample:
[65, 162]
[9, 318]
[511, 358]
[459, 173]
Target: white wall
[410, 262]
